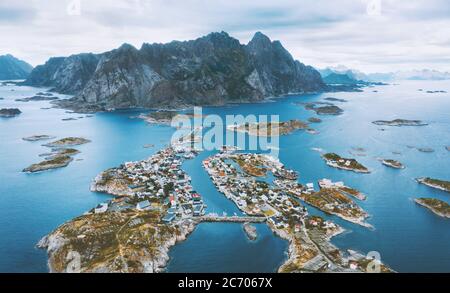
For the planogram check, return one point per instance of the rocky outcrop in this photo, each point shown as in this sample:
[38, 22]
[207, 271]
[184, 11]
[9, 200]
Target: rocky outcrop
[211, 70]
[9, 112]
[65, 75]
[12, 68]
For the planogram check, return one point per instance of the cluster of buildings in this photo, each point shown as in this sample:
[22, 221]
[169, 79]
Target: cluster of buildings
[158, 183]
[252, 196]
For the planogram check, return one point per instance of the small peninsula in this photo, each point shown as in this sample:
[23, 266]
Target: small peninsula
[439, 207]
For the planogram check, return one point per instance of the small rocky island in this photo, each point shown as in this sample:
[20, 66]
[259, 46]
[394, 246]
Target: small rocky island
[336, 100]
[439, 207]
[38, 137]
[68, 141]
[9, 113]
[37, 98]
[435, 183]
[160, 117]
[336, 161]
[314, 120]
[400, 122]
[323, 108]
[60, 156]
[250, 231]
[269, 128]
[425, 150]
[392, 163]
[447, 148]
[49, 163]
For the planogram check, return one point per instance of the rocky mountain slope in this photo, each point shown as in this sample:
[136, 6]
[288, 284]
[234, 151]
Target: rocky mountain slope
[12, 68]
[211, 70]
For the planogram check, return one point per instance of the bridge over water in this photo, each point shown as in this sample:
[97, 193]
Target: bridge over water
[232, 219]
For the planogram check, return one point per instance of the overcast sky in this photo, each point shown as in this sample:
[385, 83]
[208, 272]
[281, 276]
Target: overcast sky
[369, 35]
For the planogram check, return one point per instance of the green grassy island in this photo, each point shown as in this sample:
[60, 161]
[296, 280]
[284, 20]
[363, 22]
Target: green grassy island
[435, 183]
[267, 129]
[439, 207]
[68, 141]
[54, 162]
[336, 161]
[393, 164]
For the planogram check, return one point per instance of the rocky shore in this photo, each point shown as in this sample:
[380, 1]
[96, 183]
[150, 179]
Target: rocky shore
[115, 245]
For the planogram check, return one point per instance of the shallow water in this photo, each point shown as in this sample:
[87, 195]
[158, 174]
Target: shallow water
[408, 237]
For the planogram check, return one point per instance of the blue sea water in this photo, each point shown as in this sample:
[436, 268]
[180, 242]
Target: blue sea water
[408, 237]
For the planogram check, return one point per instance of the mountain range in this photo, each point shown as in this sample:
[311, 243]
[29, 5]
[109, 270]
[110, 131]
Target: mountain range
[424, 74]
[12, 68]
[212, 70]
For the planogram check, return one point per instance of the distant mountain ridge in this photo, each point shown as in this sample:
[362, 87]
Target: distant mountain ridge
[424, 74]
[12, 68]
[211, 70]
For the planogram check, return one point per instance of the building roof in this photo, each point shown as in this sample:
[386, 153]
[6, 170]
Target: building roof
[143, 204]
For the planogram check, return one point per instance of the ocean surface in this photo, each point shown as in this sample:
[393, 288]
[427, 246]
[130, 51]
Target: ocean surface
[409, 238]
